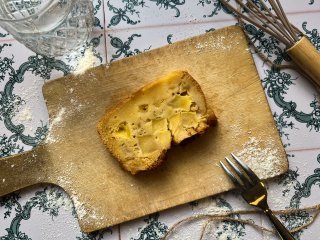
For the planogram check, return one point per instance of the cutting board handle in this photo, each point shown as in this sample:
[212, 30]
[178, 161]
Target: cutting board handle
[22, 170]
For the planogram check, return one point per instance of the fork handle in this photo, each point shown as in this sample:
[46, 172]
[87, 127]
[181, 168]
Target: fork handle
[281, 229]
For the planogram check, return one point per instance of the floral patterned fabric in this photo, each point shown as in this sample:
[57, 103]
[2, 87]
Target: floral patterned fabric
[128, 27]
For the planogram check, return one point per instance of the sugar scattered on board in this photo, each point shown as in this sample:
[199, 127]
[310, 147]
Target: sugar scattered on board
[236, 130]
[87, 61]
[86, 214]
[220, 43]
[215, 44]
[262, 157]
[56, 121]
[80, 209]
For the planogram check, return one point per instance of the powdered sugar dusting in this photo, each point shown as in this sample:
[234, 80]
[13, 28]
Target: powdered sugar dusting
[86, 62]
[262, 157]
[80, 209]
[214, 44]
[217, 43]
[85, 214]
[207, 206]
[58, 198]
[56, 121]
[23, 115]
[236, 130]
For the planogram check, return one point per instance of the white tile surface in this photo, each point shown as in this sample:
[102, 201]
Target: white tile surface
[161, 13]
[157, 26]
[150, 38]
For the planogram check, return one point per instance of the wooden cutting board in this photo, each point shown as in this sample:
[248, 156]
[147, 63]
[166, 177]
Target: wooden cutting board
[73, 156]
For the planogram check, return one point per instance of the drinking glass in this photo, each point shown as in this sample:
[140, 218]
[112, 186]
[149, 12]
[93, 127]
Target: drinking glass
[48, 27]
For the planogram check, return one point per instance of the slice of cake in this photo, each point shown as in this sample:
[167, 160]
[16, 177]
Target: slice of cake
[139, 130]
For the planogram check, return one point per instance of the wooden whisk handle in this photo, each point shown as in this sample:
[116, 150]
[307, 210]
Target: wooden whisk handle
[307, 58]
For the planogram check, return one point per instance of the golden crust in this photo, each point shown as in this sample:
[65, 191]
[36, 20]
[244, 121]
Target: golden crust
[154, 164]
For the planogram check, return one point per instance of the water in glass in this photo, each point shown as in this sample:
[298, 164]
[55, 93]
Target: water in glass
[48, 27]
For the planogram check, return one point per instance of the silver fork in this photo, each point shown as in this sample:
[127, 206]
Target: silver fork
[254, 192]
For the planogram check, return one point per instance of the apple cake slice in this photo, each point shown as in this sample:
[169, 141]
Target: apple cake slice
[139, 130]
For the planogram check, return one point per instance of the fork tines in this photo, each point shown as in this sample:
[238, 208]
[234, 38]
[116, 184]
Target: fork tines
[246, 175]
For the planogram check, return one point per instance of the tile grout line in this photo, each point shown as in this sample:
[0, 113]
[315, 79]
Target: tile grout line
[104, 32]
[193, 23]
[119, 231]
[12, 39]
[303, 149]
[8, 40]
[300, 12]
[170, 25]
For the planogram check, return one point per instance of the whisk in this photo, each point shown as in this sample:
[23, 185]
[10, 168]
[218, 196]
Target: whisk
[273, 20]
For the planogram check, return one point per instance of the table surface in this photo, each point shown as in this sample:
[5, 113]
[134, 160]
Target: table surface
[129, 27]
